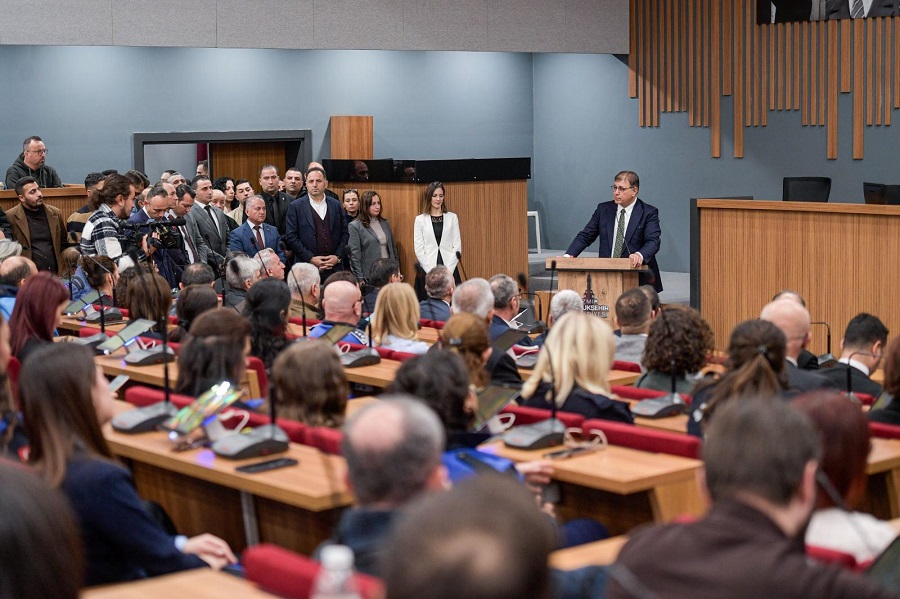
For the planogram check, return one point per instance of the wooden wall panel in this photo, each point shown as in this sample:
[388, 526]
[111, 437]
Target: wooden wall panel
[243, 160]
[693, 52]
[352, 137]
[484, 209]
[730, 230]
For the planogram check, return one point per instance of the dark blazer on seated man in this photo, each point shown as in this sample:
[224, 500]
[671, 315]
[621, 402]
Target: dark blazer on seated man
[840, 9]
[243, 239]
[806, 380]
[434, 309]
[859, 380]
[642, 235]
[302, 239]
[499, 326]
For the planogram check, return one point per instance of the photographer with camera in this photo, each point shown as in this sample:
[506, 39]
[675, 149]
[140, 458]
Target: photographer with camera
[104, 233]
[162, 234]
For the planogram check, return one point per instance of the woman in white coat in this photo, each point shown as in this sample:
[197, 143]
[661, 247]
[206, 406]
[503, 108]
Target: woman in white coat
[437, 238]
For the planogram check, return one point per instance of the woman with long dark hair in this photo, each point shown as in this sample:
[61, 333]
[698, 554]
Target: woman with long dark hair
[216, 351]
[268, 302]
[65, 400]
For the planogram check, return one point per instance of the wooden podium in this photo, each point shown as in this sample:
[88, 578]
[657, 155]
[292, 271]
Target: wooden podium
[600, 281]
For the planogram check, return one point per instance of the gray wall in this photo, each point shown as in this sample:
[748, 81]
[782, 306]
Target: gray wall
[586, 129]
[85, 102]
[484, 25]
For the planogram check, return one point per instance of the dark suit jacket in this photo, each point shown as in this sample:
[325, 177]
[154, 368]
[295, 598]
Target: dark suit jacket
[642, 235]
[169, 263]
[300, 231]
[785, 10]
[434, 309]
[859, 382]
[805, 380]
[840, 9]
[213, 234]
[243, 239]
[18, 221]
[807, 360]
[364, 247]
[276, 209]
[499, 326]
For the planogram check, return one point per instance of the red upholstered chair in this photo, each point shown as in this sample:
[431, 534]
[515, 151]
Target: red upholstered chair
[645, 439]
[291, 575]
[837, 558]
[531, 415]
[296, 431]
[628, 366]
[633, 393]
[91, 331]
[12, 369]
[140, 396]
[327, 440]
[865, 398]
[885, 431]
[309, 321]
[402, 356]
[257, 366]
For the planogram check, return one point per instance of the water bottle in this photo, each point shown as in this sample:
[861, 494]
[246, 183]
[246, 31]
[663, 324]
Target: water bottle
[335, 579]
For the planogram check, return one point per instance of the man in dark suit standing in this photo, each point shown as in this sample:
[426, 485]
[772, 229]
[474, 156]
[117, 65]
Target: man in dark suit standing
[316, 231]
[627, 227]
[277, 202]
[210, 221]
[860, 9]
[255, 234]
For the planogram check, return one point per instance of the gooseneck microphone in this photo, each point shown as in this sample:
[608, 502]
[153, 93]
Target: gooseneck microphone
[850, 369]
[461, 269]
[827, 359]
[537, 326]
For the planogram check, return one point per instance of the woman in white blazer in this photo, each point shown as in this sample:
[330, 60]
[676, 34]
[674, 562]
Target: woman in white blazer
[437, 238]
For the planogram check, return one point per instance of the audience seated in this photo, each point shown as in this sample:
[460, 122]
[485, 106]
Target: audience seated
[126, 276]
[573, 370]
[341, 275]
[267, 308]
[633, 320]
[507, 306]
[382, 272]
[66, 399]
[678, 344]
[216, 351]
[150, 297]
[806, 360]
[342, 304]
[395, 321]
[846, 442]
[755, 367]
[193, 301]
[793, 319]
[393, 449]
[861, 348]
[42, 553]
[197, 273]
[439, 286]
[37, 314]
[887, 409]
[563, 302]
[748, 545]
[102, 274]
[303, 281]
[467, 335]
[13, 272]
[13, 440]
[241, 273]
[309, 384]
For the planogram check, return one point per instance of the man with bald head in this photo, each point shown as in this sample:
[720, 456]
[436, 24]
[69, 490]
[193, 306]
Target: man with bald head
[393, 450]
[342, 304]
[792, 318]
[13, 272]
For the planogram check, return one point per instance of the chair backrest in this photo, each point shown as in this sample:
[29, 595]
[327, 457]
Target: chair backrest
[806, 189]
[257, 366]
[884, 430]
[309, 321]
[140, 396]
[627, 366]
[288, 574]
[646, 439]
[327, 440]
[825, 555]
[865, 398]
[531, 415]
[873, 193]
[892, 195]
[12, 369]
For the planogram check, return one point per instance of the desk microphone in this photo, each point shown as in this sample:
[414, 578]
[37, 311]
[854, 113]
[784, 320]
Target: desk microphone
[537, 326]
[826, 360]
[546, 433]
[850, 395]
[459, 261]
[262, 440]
[362, 357]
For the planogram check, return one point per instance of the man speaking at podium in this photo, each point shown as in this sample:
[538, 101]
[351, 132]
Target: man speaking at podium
[627, 227]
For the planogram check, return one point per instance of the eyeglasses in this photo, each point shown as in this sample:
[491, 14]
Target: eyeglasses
[616, 188]
[44, 151]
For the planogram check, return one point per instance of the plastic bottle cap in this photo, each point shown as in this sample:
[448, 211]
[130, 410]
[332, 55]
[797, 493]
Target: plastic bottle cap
[337, 557]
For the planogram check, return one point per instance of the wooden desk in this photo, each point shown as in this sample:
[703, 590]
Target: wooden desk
[621, 487]
[883, 497]
[68, 199]
[202, 583]
[295, 507]
[377, 375]
[598, 553]
[71, 325]
[152, 375]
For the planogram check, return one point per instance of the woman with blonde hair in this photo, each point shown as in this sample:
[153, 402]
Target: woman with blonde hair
[395, 320]
[573, 368]
[309, 384]
[467, 335]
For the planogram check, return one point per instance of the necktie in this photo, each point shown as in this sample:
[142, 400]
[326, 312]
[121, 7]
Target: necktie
[856, 9]
[259, 239]
[620, 235]
[212, 217]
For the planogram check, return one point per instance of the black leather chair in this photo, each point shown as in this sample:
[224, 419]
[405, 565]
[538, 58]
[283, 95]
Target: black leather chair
[806, 189]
